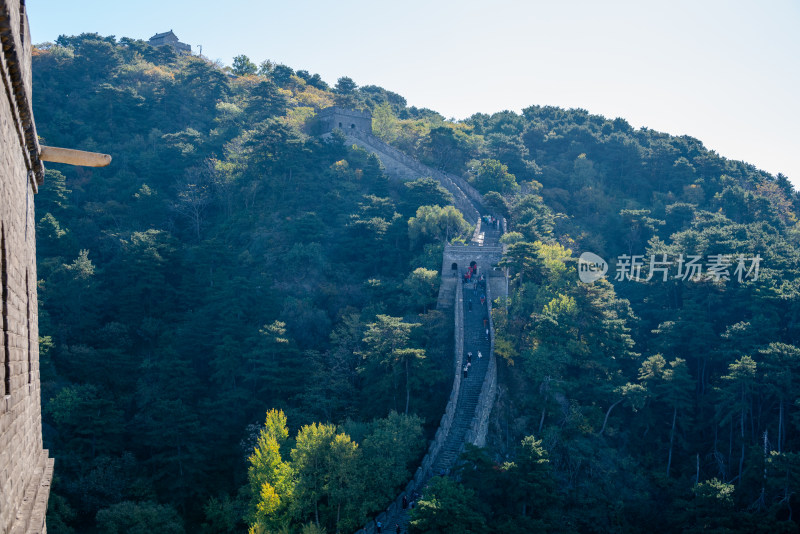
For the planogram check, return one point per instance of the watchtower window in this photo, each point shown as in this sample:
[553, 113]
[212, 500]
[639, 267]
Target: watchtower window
[352, 126]
[340, 125]
[454, 267]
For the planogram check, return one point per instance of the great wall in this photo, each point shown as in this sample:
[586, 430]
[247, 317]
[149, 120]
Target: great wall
[26, 469]
[466, 417]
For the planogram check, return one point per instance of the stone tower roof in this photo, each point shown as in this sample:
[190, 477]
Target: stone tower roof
[163, 35]
[169, 39]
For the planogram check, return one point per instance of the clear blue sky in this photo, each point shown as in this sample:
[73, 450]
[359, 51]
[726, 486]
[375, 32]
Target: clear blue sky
[724, 71]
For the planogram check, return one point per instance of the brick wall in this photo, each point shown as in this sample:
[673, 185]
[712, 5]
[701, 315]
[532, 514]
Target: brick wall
[25, 469]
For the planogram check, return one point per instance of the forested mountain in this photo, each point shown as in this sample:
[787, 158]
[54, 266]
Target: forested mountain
[229, 265]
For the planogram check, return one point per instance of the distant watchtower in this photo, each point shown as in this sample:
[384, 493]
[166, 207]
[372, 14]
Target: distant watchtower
[344, 119]
[170, 39]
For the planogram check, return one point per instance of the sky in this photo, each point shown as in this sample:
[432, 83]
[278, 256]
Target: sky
[726, 72]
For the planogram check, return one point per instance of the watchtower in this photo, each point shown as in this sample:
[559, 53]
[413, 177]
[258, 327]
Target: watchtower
[170, 39]
[347, 120]
[25, 468]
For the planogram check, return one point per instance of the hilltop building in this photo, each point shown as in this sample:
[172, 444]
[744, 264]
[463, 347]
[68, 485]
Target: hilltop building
[170, 39]
[25, 467]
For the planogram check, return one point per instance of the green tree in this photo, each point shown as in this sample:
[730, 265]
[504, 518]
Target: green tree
[384, 123]
[532, 218]
[436, 223]
[497, 204]
[736, 391]
[345, 485]
[88, 417]
[534, 485]
[281, 74]
[271, 478]
[670, 383]
[491, 175]
[511, 238]
[223, 515]
[447, 507]
[139, 518]
[778, 363]
[387, 344]
[425, 191]
[446, 148]
[242, 66]
[266, 101]
[79, 282]
[390, 448]
[422, 286]
[327, 481]
[345, 86]
[713, 507]
[269, 362]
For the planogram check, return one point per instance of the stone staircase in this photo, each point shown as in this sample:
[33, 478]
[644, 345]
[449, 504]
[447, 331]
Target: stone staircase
[471, 394]
[471, 399]
[475, 340]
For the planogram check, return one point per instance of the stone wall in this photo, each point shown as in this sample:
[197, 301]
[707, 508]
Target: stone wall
[357, 126]
[423, 472]
[25, 469]
[447, 289]
[401, 166]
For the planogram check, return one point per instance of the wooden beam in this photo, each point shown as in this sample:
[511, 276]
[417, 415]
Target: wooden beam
[74, 157]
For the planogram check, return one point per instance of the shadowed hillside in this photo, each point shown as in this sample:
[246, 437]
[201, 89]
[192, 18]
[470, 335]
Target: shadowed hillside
[229, 263]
